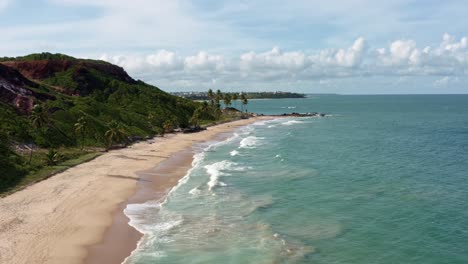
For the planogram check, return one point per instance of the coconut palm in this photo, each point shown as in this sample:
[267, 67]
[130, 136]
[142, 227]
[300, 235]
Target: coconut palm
[218, 97]
[205, 107]
[168, 126]
[195, 119]
[115, 133]
[210, 95]
[39, 117]
[41, 120]
[244, 101]
[227, 100]
[235, 97]
[80, 129]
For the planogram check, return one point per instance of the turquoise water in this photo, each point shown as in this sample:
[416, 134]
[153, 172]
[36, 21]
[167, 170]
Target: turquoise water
[384, 179]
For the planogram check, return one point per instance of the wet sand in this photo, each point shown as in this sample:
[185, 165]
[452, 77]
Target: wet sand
[76, 216]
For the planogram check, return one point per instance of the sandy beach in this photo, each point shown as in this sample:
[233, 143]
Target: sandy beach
[76, 216]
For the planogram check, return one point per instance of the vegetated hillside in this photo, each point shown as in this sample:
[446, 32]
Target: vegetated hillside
[42, 97]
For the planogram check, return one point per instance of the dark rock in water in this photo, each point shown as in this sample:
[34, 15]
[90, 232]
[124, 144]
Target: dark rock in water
[294, 114]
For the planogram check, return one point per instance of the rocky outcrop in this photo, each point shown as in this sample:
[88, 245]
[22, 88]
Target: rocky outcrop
[15, 90]
[40, 69]
[67, 75]
[81, 74]
[43, 69]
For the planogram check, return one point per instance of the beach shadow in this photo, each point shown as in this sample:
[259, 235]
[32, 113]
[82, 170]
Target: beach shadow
[154, 156]
[126, 157]
[127, 177]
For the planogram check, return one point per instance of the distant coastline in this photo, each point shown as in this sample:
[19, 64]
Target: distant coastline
[249, 95]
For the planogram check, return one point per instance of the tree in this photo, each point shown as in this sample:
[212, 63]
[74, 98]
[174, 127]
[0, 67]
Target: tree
[235, 97]
[218, 97]
[81, 128]
[10, 169]
[227, 100]
[244, 102]
[39, 117]
[197, 114]
[114, 134]
[40, 120]
[210, 95]
[205, 107]
[168, 126]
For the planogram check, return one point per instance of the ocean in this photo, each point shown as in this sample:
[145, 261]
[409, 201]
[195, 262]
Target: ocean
[381, 179]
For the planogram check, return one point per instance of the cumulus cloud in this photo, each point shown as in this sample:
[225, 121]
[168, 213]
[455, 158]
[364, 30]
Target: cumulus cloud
[446, 81]
[204, 61]
[350, 57]
[274, 58]
[401, 58]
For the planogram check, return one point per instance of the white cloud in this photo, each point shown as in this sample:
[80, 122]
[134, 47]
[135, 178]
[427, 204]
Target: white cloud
[351, 57]
[274, 58]
[203, 69]
[204, 61]
[446, 81]
[164, 59]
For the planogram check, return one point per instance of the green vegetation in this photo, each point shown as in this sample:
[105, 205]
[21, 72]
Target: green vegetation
[46, 56]
[47, 137]
[83, 108]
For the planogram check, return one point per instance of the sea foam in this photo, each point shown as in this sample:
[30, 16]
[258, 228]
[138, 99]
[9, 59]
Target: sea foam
[292, 122]
[250, 142]
[215, 170]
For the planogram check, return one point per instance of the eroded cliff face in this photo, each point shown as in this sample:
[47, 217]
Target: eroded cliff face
[40, 69]
[18, 77]
[14, 89]
[43, 69]
[79, 72]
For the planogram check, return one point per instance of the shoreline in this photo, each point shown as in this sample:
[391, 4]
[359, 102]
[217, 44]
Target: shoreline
[66, 218]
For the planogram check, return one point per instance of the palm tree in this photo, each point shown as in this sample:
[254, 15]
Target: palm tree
[211, 96]
[40, 118]
[244, 101]
[227, 100]
[195, 119]
[205, 107]
[80, 129]
[115, 133]
[218, 97]
[168, 126]
[235, 97]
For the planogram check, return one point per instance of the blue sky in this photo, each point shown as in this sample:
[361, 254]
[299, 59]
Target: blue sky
[350, 47]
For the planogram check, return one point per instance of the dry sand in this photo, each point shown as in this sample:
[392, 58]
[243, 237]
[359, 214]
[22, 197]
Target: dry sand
[76, 216]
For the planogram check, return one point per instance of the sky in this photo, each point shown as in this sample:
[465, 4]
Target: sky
[332, 46]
